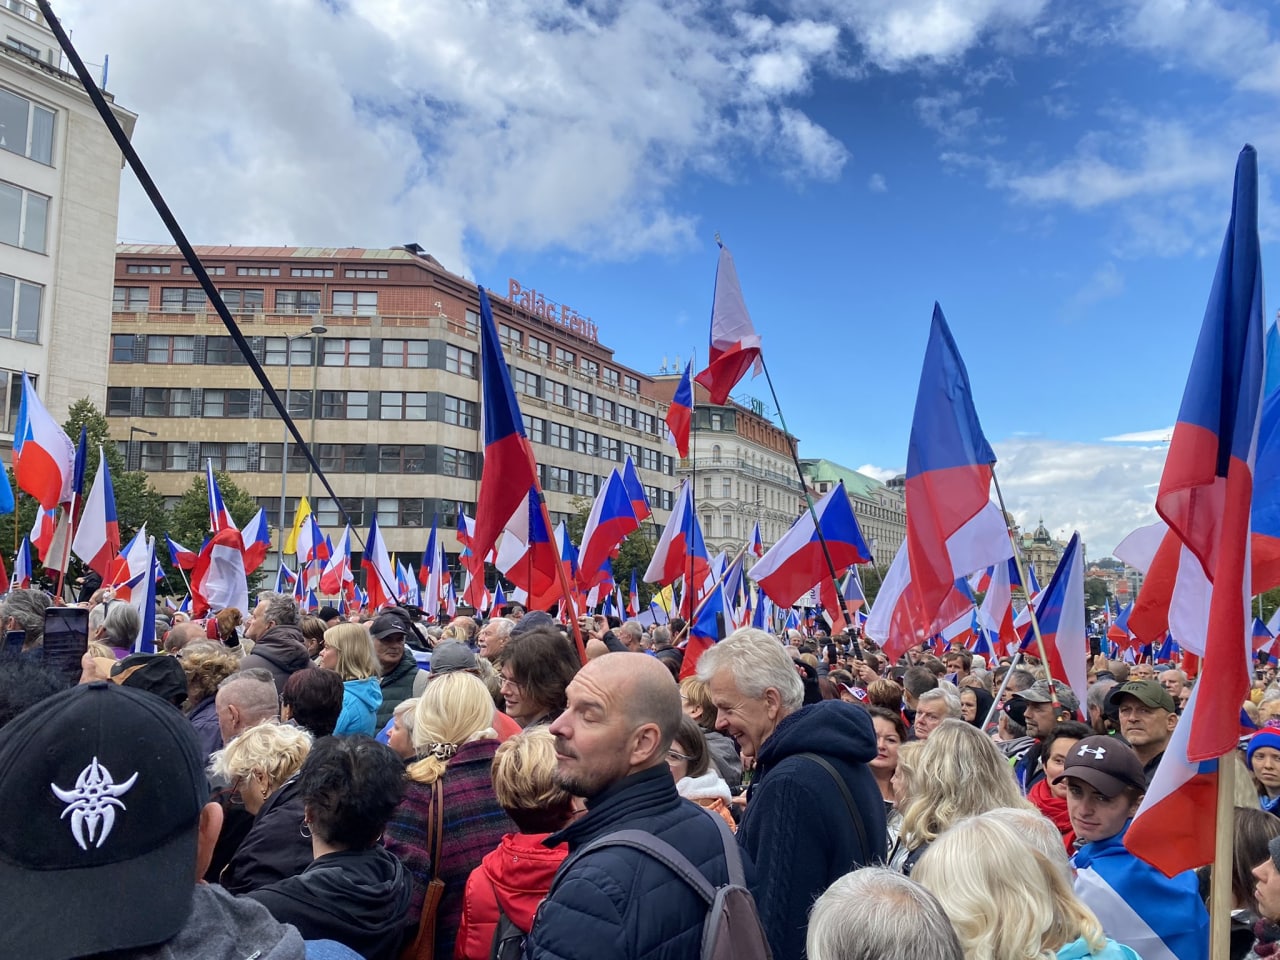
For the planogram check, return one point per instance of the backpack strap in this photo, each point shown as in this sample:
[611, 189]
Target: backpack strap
[732, 853]
[854, 814]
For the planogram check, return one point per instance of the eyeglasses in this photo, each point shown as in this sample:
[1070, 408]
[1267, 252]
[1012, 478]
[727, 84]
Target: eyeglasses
[674, 757]
[233, 792]
[504, 682]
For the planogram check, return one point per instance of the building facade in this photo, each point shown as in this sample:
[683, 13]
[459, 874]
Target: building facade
[377, 352]
[880, 510]
[1043, 552]
[59, 197]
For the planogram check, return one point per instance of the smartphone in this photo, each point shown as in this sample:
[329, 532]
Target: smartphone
[66, 638]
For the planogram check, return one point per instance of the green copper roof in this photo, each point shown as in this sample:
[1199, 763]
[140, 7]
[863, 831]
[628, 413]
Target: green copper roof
[857, 484]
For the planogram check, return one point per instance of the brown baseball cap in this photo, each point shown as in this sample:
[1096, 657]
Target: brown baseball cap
[1106, 764]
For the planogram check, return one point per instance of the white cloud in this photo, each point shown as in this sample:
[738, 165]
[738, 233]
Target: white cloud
[876, 183]
[883, 474]
[1161, 435]
[476, 127]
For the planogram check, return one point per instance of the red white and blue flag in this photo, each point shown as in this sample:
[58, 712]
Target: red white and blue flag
[681, 551]
[97, 539]
[633, 598]
[635, 490]
[219, 515]
[257, 541]
[337, 574]
[431, 572]
[680, 413]
[380, 579]
[611, 520]
[180, 556]
[1060, 612]
[21, 579]
[948, 474]
[218, 579]
[144, 601]
[757, 544]
[44, 458]
[527, 555]
[735, 346]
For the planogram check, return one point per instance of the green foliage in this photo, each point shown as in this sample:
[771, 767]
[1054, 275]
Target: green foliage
[1095, 593]
[189, 518]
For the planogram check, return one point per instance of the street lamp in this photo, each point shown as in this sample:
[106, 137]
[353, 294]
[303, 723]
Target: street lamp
[317, 330]
[133, 430]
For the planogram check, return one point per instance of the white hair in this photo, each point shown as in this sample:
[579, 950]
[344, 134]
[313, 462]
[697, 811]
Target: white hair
[1039, 832]
[758, 663]
[878, 914]
[947, 697]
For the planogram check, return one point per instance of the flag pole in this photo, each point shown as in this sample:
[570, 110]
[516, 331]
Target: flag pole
[1031, 607]
[693, 497]
[804, 487]
[1223, 845]
[561, 575]
[995, 704]
[66, 547]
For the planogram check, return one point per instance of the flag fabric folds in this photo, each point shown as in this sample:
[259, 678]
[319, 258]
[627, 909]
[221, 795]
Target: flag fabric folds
[735, 347]
[612, 518]
[219, 515]
[681, 550]
[680, 413]
[380, 582]
[180, 556]
[97, 539]
[218, 578]
[508, 460]
[948, 478]
[44, 457]
[300, 518]
[757, 544]
[635, 490]
[21, 578]
[144, 600]
[257, 541]
[337, 571]
[1062, 625]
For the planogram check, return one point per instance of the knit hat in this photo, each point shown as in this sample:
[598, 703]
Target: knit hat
[110, 786]
[1266, 737]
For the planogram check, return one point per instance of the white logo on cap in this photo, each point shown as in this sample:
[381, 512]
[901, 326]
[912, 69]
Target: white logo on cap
[92, 804]
[1096, 752]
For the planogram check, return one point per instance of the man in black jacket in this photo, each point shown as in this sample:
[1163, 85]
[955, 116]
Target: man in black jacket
[277, 638]
[611, 748]
[799, 829]
[396, 662]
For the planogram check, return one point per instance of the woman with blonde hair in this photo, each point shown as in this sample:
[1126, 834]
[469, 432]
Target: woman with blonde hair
[262, 765]
[454, 739]
[348, 652]
[206, 665]
[1008, 897]
[959, 773]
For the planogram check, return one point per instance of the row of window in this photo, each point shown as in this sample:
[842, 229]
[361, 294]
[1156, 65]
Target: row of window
[344, 303]
[538, 347]
[244, 403]
[350, 273]
[279, 351]
[583, 401]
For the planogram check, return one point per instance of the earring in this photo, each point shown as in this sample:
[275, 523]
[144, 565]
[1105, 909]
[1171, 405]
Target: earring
[305, 829]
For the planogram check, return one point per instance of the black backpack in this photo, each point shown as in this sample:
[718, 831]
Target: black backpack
[732, 930]
[508, 939]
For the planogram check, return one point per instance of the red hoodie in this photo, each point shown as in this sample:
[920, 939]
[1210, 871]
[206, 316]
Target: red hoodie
[516, 875]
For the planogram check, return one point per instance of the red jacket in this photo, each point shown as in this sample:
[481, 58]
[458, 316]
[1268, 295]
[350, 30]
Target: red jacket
[516, 875]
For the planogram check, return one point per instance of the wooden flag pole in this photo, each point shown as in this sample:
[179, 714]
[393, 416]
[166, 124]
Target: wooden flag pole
[1223, 851]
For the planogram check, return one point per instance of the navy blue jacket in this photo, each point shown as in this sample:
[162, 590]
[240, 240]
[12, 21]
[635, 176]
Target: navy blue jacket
[618, 903]
[797, 829]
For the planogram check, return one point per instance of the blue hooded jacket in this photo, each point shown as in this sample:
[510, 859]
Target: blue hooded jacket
[797, 829]
[360, 702]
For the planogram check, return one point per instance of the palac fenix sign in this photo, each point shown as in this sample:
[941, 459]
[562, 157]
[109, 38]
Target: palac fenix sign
[561, 314]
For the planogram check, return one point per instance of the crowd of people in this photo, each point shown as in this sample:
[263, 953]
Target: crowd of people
[281, 785]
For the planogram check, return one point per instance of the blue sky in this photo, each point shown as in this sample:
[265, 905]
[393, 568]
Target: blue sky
[1057, 175]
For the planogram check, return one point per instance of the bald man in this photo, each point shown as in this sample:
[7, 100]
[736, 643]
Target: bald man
[612, 745]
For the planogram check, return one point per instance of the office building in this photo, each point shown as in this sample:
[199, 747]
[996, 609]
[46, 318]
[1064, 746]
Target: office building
[880, 509]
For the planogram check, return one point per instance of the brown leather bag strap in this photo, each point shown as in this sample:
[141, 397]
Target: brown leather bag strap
[435, 830]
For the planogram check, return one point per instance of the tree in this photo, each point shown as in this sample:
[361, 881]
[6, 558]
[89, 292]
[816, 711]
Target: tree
[189, 518]
[1095, 593]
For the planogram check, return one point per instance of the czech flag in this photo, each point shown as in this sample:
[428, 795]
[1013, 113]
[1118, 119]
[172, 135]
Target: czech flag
[757, 544]
[44, 458]
[21, 579]
[681, 550]
[680, 413]
[1062, 627]
[257, 541]
[795, 564]
[144, 601]
[635, 490]
[431, 572]
[180, 556]
[633, 598]
[218, 579]
[97, 539]
[499, 599]
[219, 515]
[610, 521]
[337, 571]
[948, 473]
[285, 578]
[508, 459]
[706, 628]
[1265, 516]
[380, 582]
[735, 347]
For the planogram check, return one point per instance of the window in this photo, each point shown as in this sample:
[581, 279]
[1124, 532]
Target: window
[298, 301]
[706, 488]
[162, 349]
[610, 376]
[182, 300]
[589, 367]
[471, 320]
[22, 46]
[341, 352]
[161, 455]
[715, 453]
[581, 400]
[535, 429]
[606, 409]
[211, 271]
[457, 360]
[668, 465]
[327, 514]
[361, 274]
[166, 402]
[558, 479]
[646, 422]
[457, 463]
[269, 462]
[530, 384]
[232, 457]
[539, 347]
[311, 271]
[344, 405]
[631, 384]
[717, 421]
[404, 353]
[397, 458]
[402, 406]
[274, 354]
[584, 484]
[509, 335]
[145, 267]
[412, 510]
[565, 357]
[23, 216]
[222, 350]
[557, 393]
[130, 299]
[631, 450]
[355, 303]
[560, 435]
[119, 401]
[299, 402]
[341, 457]
[610, 448]
[668, 499]
[243, 301]
[726, 526]
[226, 403]
[627, 416]
[28, 128]
[461, 413]
[257, 271]
[122, 348]
[20, 308]
[726, 487]
[649, 459]
[10, 398]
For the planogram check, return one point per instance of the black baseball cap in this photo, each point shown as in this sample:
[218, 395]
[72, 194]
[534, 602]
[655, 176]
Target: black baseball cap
[155, 673]
[109, 786]
[1106, 764]
[388, 625]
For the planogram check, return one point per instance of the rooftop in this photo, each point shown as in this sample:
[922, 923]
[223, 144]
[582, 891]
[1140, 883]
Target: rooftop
[855, 483]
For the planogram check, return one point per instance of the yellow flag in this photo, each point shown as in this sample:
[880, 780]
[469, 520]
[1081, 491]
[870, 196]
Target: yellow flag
[304, 511]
